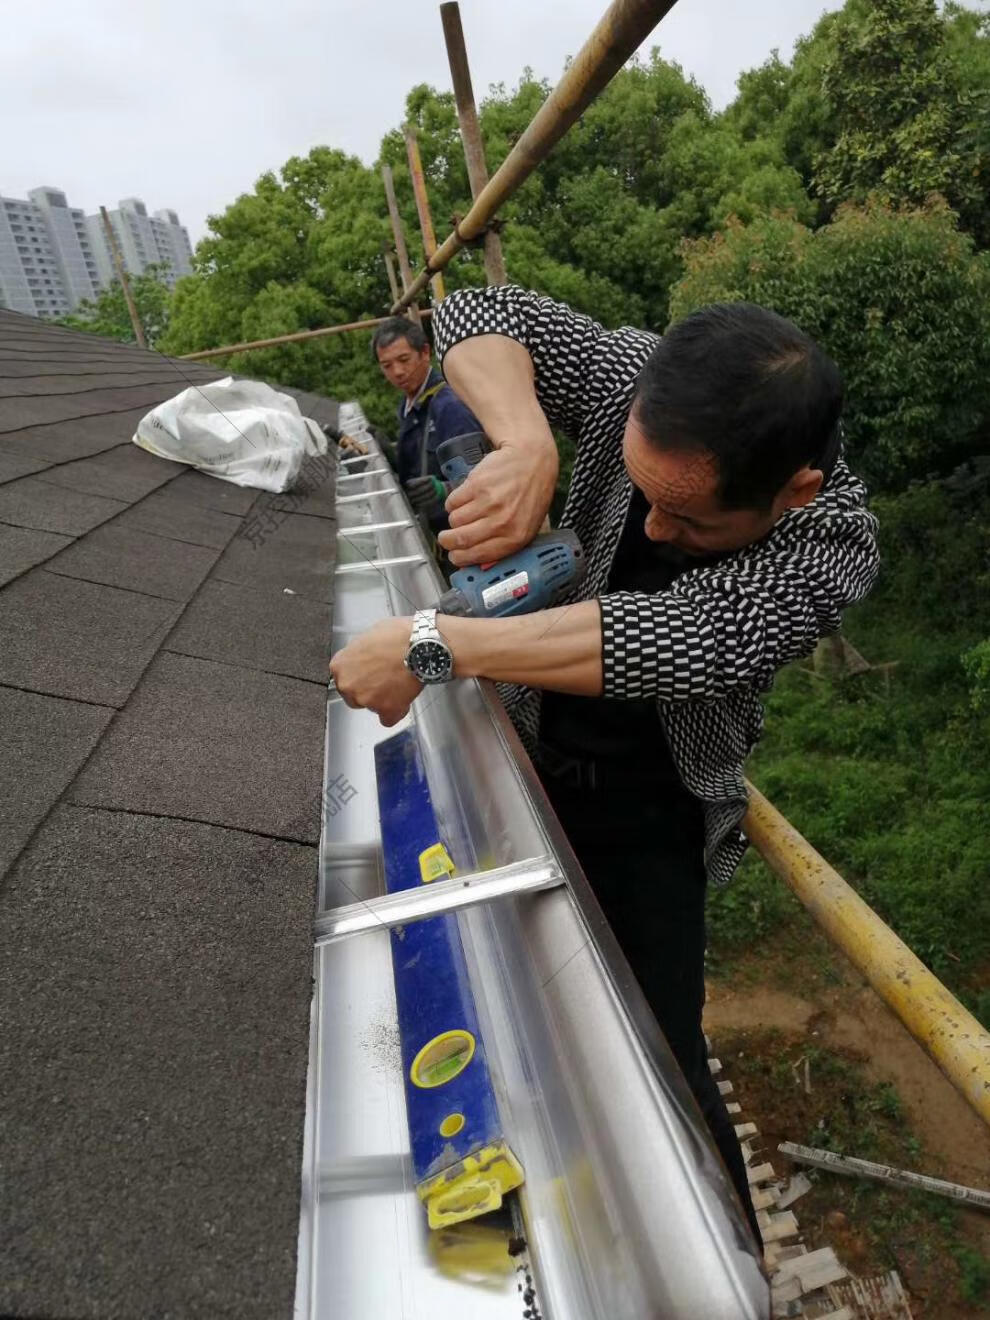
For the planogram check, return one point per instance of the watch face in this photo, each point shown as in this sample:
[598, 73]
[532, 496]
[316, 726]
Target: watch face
[431, 662]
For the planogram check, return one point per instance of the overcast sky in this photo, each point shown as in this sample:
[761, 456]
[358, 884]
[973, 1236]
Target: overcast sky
[183, 103]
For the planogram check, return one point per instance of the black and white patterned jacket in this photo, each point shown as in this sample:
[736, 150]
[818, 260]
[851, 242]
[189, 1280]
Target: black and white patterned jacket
[712, 641]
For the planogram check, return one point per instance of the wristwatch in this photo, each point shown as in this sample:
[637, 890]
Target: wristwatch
[429, 657]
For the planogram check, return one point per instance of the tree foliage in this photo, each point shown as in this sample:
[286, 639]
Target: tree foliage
[903, 116]
[900, 299]
[108, 314]
[599, 225]
[884, 100]
[303, 251]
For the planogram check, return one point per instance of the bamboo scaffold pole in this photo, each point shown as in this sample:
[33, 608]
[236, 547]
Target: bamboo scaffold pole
[118, 261]
[295, 338]
[935, 1018]
[624, 26]
[393, 283]
[467, 117]
[423, 208]
[405, 270]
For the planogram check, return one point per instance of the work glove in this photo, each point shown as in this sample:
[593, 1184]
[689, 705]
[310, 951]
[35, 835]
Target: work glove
[427, 495]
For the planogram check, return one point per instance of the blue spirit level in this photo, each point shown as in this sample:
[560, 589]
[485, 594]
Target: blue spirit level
[461, 1161]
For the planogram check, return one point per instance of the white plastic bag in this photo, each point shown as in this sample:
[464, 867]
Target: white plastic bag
[238, 430]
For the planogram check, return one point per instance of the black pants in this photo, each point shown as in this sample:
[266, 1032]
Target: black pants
[641, 847]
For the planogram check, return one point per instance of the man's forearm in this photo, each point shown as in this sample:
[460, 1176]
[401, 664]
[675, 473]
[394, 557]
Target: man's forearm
[559, 649]
[493, 375]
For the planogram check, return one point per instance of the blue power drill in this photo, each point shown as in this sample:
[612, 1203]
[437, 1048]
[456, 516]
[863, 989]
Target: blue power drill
[532, 579]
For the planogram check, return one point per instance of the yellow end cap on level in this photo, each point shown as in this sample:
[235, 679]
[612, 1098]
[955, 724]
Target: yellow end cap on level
[473, 1186]
[434, 863]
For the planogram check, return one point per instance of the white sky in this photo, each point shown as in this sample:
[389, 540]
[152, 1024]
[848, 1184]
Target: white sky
[183, 103]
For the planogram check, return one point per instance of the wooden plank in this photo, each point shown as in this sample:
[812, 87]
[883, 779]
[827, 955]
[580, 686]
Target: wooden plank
[783, 1296]
[760, 1173]
[825, 1274]
[781, 1225]
[856, 1168]
[795, 1187]
[878, 1298]
[772, 1256]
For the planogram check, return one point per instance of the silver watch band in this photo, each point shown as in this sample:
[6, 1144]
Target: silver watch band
[425, 627]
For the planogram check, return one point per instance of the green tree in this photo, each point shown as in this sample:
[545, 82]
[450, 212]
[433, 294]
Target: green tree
[903, 129]
[109, 315]
[302, 251]
[598, 225]
[786, 104]
[898, 297]
[601, 222]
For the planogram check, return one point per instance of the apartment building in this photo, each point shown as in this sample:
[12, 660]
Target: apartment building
[143, 240]
[47, 263]
[52, 255]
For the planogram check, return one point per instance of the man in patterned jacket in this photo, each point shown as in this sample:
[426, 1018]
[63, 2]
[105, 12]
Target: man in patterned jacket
[724, 536]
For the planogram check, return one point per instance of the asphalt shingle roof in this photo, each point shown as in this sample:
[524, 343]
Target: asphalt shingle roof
[162, 720]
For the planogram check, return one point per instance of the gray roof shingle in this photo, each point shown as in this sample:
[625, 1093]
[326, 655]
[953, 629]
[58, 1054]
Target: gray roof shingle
[155, 980]
[23, 547]
[119, 556]
[162, 718]
[28, 502]
[215, 742]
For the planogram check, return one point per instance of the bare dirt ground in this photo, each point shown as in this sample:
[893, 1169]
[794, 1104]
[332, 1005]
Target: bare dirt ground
[763, 1012]
[853, 1017]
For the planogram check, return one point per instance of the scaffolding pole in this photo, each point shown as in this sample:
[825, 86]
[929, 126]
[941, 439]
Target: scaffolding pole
[622, 29]
[467, 117]
[423, 207]
[405, 270]
[118, 261]
[298, 337]
[393, 283]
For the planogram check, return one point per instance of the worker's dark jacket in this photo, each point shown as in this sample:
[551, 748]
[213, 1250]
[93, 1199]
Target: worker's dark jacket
[437, 415]
[703, 648]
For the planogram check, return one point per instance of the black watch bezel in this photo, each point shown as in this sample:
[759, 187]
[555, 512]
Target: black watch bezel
[428, 645]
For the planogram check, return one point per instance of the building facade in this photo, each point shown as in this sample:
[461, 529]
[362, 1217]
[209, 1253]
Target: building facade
[52, 256]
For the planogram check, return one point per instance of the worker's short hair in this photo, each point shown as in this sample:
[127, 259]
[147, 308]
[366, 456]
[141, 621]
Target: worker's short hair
[749, 388]
[397, 327]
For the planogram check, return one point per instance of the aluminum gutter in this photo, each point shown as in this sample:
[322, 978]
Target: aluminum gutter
[626, 1210]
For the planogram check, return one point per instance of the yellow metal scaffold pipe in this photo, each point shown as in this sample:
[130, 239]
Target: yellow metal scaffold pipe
[934, 1017]
[624, 26]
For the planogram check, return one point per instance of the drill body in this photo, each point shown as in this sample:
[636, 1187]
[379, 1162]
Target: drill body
[533, 578]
